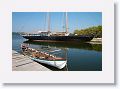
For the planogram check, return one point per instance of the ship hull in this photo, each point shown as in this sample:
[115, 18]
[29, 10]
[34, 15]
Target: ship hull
[59, 38]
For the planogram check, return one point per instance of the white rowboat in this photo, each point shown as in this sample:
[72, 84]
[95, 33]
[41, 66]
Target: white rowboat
[55, 63]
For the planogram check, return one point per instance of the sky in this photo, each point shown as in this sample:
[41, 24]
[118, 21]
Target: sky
[35, 21]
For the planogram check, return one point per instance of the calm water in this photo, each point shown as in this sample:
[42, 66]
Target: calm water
[80, 57]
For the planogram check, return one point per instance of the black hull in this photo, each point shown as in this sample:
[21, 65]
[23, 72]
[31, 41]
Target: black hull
[59, 38]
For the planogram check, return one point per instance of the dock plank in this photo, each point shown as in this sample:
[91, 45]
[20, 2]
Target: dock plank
[24, 63]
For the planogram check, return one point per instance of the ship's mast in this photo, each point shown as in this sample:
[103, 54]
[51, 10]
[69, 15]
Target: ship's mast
[48, 16]
[66, 22]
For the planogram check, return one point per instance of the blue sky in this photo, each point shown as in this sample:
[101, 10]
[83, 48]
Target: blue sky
[35, 21]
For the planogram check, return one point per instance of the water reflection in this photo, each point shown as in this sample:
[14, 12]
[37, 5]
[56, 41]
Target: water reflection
[85, 46]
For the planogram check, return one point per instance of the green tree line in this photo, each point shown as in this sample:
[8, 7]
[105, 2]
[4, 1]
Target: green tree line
[95, 31]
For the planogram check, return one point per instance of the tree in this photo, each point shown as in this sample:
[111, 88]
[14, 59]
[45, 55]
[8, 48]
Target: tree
[95, 31]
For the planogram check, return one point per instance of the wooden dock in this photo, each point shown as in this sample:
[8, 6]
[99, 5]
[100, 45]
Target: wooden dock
[24, 63]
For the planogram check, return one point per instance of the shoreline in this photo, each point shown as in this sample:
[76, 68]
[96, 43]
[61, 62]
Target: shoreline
[95, 41]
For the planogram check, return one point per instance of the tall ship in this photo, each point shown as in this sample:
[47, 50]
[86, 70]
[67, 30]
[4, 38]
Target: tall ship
[56, 36]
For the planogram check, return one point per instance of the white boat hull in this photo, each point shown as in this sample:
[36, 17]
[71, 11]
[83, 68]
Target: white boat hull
[57, 63]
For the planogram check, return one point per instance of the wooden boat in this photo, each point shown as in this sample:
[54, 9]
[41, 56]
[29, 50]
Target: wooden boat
[44, 57]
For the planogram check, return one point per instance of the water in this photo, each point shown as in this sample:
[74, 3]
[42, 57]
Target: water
[80, 57]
